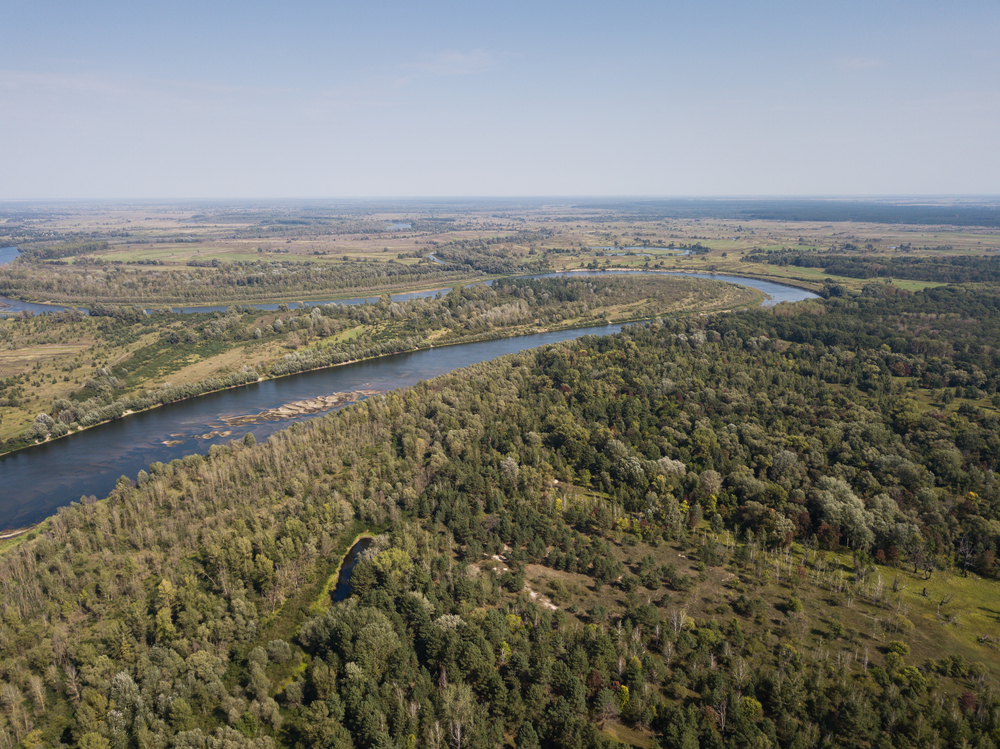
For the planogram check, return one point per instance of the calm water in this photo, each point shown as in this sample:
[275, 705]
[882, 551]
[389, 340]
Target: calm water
[36, 481]
[7, 254]
[777, 292]
[343, 589]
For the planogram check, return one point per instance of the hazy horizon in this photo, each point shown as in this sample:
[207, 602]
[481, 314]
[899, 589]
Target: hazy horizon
[252, 101]
[926, 199]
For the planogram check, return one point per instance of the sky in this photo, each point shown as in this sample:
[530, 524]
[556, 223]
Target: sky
[219, 99]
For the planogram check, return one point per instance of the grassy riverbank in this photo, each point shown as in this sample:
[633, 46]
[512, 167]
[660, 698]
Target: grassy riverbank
[75, 372]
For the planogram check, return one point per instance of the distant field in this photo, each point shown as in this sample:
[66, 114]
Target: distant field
[560, 237]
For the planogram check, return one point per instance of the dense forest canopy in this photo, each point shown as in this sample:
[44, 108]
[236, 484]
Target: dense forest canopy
[984, 213]
[942, 269]
[708, 531]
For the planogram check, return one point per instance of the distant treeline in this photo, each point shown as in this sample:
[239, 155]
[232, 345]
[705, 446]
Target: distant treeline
[493, 255]
[225, 282]
[965, 269]
[805, 210]
[69, 249]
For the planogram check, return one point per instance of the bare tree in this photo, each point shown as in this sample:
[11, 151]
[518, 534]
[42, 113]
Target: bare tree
[72, 685]
[37, 690]
[720, 712]
[966, 550]
[459, 706]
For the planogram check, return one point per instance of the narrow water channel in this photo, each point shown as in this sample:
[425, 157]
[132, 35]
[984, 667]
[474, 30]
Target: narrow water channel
[343, 589]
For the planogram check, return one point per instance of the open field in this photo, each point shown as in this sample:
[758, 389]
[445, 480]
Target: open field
[20, 360]
[299, 231]
[831, 620]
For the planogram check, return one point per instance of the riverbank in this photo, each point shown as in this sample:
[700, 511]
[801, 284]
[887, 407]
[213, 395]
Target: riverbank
[55, 473]
[12, 538]
[128, 405]
[266, 304]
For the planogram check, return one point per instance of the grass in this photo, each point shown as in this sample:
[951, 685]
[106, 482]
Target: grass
[47, 363]
[22, 359]
[345, 336]
[628, 736]
[54, 360]
[191, 361]
[973, 610]
[818, 276]
[915, 285]
[7, 544]
[927, 399]
[830, 624]
[953, 628]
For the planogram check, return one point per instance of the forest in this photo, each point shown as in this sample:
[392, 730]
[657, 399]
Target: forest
[771, 528]
[494, 255]
[883, 212]
[970, 269]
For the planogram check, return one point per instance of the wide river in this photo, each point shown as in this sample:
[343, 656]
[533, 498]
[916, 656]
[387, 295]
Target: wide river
[36, 481]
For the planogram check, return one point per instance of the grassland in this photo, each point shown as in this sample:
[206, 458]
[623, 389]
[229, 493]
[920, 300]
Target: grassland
[834, 622]
[568, 236]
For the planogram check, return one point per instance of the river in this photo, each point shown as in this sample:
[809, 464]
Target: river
[776, 292]
[9, 305]
[38, 480]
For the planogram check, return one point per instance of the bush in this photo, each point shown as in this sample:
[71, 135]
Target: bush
[898, 646]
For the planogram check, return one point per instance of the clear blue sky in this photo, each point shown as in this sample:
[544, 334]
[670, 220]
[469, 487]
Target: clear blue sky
[116, 99]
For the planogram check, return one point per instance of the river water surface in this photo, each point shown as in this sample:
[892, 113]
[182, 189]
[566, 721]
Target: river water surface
[36, 481]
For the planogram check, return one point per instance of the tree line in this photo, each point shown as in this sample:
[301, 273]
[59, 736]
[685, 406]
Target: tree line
[237, 282]
[943, 269]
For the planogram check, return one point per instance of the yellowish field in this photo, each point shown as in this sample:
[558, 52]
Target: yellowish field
[21, 360]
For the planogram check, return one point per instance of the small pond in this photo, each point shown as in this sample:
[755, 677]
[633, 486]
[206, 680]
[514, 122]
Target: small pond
[343, 589]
